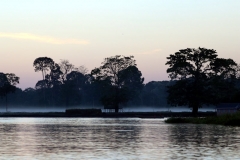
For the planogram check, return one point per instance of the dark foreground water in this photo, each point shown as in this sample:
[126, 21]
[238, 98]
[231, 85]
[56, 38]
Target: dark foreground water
[85, 138]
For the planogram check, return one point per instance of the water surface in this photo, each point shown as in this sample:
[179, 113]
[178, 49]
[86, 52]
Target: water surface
[99, 138]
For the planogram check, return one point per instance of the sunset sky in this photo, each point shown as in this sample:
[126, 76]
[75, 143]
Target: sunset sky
[87, 31]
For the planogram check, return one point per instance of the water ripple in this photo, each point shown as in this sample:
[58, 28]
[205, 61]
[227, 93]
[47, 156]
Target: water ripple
[99, 138]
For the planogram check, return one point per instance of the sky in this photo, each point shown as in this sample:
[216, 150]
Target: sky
[87, 31]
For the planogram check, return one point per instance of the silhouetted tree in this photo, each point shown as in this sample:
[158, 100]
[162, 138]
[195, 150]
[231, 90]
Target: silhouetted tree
[54, 77]
[66, 67]
[119, 79]
[199, 73]
[131, 82]
[53, 84]
[43, 64]
[82, 69]
[67, 86]
[8, 84]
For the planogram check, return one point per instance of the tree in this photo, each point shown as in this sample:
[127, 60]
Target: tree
[82, 69]
[74, 87]
[8, 84]
[54, 77]
[66, 67]
[68, 88]
[131, 81]
[119, 78]
[198, 74]
[43, 64]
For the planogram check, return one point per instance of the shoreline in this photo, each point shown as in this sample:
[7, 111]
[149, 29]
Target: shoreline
[103, 115]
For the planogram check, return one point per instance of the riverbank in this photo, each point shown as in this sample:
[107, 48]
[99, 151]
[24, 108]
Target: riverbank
[227, 119]
[105, 115]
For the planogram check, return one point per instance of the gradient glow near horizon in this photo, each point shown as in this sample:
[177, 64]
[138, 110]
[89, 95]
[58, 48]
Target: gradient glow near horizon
[87, 31]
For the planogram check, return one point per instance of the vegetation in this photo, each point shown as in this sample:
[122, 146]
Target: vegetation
[8, 84]
[201, 78]
[43, 64]
[153, 94]
[198, 77]
[226, 119]
[119, 79]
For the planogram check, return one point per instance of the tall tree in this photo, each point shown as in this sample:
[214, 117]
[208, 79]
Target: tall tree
[74, 87]
[118, 76]
[54, 77]
[197, 72]
[43, 64]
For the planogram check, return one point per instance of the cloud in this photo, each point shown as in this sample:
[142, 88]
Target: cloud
[148, 52]
[45, 39]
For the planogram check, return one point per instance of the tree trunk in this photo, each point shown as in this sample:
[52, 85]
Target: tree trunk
[44, 96]
[116, 108]
[42, 75]
[6, 103]
[116, 100]
[195, 110]
[67, 101]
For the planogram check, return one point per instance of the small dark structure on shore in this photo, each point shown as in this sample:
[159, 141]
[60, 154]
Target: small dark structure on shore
[227, 108]
[84, 112]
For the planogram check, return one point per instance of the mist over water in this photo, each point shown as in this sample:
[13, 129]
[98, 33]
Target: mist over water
[125, 109]
[32, 109]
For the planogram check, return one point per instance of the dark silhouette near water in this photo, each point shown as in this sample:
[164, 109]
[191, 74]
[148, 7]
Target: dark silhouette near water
[8, 84]
[153, 94]
[201, 78]
[43, 64]
[119, 79]
[198, 77]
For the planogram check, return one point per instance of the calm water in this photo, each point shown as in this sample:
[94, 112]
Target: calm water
[85, 138]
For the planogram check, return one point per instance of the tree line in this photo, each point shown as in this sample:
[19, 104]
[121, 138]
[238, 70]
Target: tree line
[198, 77]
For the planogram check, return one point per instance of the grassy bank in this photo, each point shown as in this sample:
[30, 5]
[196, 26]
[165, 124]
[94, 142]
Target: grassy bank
[227, 119]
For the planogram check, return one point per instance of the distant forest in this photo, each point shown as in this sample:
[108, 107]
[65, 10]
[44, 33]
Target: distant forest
[65, 85]
[153, 94]
[198, 77]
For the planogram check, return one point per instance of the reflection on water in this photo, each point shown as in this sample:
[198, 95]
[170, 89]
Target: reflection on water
[85, 138]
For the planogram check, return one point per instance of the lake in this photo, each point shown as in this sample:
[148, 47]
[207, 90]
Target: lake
[125, 138]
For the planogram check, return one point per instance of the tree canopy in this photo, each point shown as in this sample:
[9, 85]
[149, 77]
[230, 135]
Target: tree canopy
[119, 78]
[199, 75]
[43, 64]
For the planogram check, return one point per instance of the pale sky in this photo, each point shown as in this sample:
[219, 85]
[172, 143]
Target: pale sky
[87, 31]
